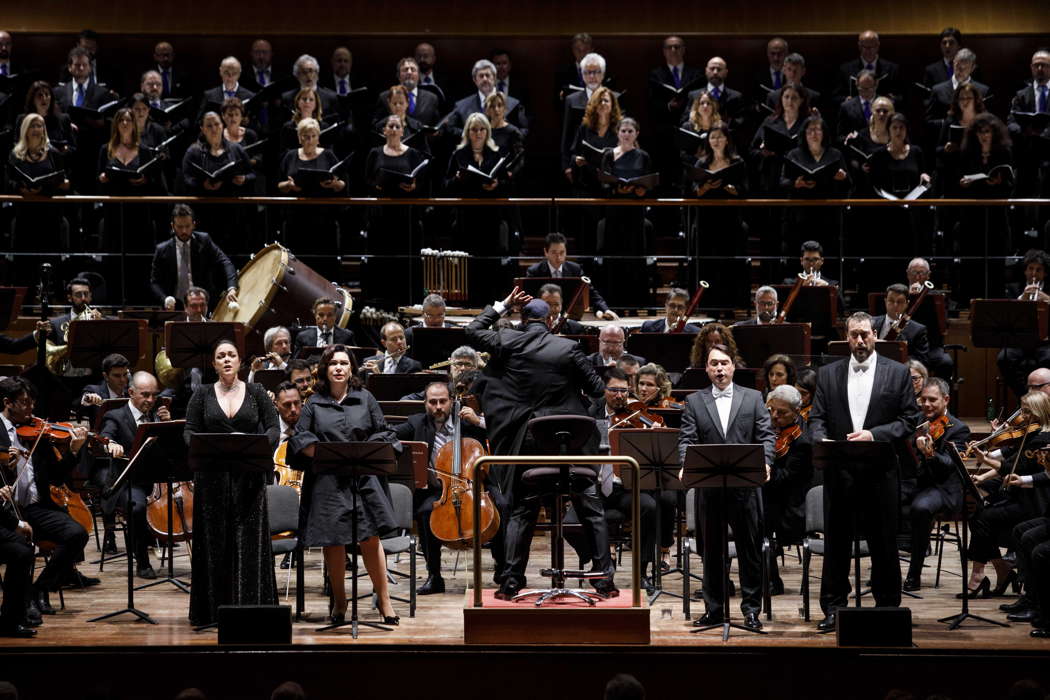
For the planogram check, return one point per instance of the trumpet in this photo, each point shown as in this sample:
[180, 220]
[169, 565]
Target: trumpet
[1033, 289]
[58, 354]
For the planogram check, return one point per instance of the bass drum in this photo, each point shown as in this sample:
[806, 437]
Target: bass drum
[277, 289]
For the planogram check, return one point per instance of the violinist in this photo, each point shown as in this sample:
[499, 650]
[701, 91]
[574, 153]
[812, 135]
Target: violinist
[919, 376]
[654, 387]
[784, 495]
[779, 370]
[675, 306]
[301, 374]
[434, 427]
[937, 485]
[1009, 505]
[806, 383]
[913, 332]
[288, 401]
[120, 425]
[31, 472]
[16, 554]
[393, 360]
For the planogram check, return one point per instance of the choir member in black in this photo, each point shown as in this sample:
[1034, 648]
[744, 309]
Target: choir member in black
[794, 70]
[667, 109]
[937, 487]
[710, 335]
[304, 106]
[784, 495]
[966, 104]
[230, 74]
[422, 104]
[768, 154]
[207, 155]
[1007, 506]
[856, 110]
[887, 72]
[898, 169]
[942, 69]
[1031, 137]
[127, 226]
[963, 65]
[727, 413]
[865, 398]
[391, 230]
[833, 181]
[675, 305]
[778, 370]
[701, 117]
[235, 131]
[596, 132]
[397, 104]
[624, 232]
[340, 410]
[232, 560]
[509, 139]
[913, 332]
[720, 233]
[60, 131]
[151, 134]
[32, 157]
[1015, 363]
[32, 477]
[859, 146]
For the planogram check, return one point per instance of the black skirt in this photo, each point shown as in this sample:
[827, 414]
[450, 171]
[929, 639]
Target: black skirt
[330, 520]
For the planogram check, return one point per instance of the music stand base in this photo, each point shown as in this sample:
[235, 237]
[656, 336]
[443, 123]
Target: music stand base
[131, 611]
[954, 621]
[725, 629]
[355, 625]
[179, 584]
[660, 591]
[205, 628]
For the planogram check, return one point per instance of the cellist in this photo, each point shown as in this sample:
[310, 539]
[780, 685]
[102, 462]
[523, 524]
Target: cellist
[120, 425]
[34, 467]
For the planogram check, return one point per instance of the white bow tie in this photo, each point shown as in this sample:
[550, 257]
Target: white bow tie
[861, 368]
[726, 393]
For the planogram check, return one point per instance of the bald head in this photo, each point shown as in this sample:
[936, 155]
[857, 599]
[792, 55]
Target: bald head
[1039, 380]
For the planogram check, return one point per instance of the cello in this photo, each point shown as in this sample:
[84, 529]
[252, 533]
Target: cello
[452, 519]
[157, 512]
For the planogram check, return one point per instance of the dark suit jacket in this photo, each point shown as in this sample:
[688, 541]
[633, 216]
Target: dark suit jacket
[936, 72]
[790, 479]
[307, 338]
[531, 373]
[660, 96]
[213, 98]
[515, 113]
[914, 333]
[15, 346]
[939, 470]
[748, 422]
[887, 72]
[102, 389]
[568, 269]
[428, 111]
[94, 97]
[940, 98]
[572, 117]
[851, 117]
[892, 412]
[656, 325]
[209, 267]
[405, 364]
[120, 426]
[1024, 100]
[420, 428]
[595, 358]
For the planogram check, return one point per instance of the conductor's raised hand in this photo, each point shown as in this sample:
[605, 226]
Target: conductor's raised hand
[517, 299]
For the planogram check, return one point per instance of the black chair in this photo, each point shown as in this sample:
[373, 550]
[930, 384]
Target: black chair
[282, 506]
[561, 435]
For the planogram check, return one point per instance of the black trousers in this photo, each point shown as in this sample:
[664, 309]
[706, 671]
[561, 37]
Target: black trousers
[926, 504]
[1028, 537]
[54, 525]
[138, 540]
[17, 556]
[743, 509]
[939, 363]
[860, 502]
[1037, 583]
[992, 526]
[620, 500]
[1016, 364]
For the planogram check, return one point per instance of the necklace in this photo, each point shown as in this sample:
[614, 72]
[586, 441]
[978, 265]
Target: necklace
[227, 389]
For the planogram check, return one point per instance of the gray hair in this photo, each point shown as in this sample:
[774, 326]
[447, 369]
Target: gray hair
[788, 394]
[966, 56]
[550, 288]
[942, 386]
[860, 317]
[919, 367]
[593, 58]
[465, 352]
[765, 289]
[482, 65]
[270, 336]
[302, 61]
[433, 300]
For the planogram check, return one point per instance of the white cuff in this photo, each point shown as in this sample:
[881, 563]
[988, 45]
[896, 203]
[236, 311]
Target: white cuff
[1026, 481]
[500, 308]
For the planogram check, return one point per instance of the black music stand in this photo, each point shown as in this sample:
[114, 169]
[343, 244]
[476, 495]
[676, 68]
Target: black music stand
[269, 378]
[189, 343]
[391, 387]
[233, 453]
[999, 323]
[105, 407]
[758, 342]
[669, 350]
[724, 467]
[433, 345]
[91, 341]
[817, 305]
[354, 459]
[10, 304]
[971, 504]
[129, 535]
[173, 447]
[855, 456]
[656, 451]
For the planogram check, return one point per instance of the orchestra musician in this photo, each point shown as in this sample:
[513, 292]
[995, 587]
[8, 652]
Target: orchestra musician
[289, 404]
[433, 310]
[79, 295]
[15, 346]
[324, 331]
[806, 383]
[727, 413]
[120, 425]
[710, 335]
[913, 332]
[556, 264]
[393, 360]
[675, 306]
[1015, 363]
[231, 555]
[300, 373]
[277, 349]
[190, 259]
[1031, 540]
[463, 360]
[765, 307]
[16, 554]
[551, 293]
[865, 397]
[611, 349]
[919, 376]
[938, 361]
[654, 387]
[778, 370]
[812, 261]
[937, 487]
[32, 477]
[339, 411]
[784, 495]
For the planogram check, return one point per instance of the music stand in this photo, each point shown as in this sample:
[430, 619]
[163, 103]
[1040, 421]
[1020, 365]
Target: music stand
[855, 456]
[433, 345]
[10, 304]
[354, 459]
[269, 378]
[129, 536]
[1000, 323]
[173, 447]
[724, 467]
[756, 343]
[656, 451]
[391, 387]
[189, 343]
[91, 341]
[971, 504]
[105, 407]
[232, 453]
[669, 350]
[817, 305]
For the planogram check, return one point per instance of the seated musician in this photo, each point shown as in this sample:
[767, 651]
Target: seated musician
[556, 265]
[939, 362]
[79, 295]
[675, 306]
[614, 496]
[324, 332]
[765, 307]
[120, 426]
[653, 387]
[611, 349]
[17, 556]
[289, 404]
[434, 309]
[937, 489]
[629, 365]
[435, 427]
[913, 332]
[277, 347]
[114, 384]
[812, 261]
[778, 370]
[393, 360]
[806, 383]
[301, 373]
[463, 360]
[919, 376]
[189, 258]
[195, 303]
[551, 293]
[33, 475]
[1015, 363]
[710, 335]
[784, 495]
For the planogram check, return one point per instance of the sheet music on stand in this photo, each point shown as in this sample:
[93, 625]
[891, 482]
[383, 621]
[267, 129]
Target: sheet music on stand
[999, 323]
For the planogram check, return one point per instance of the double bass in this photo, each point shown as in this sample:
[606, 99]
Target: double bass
[452, 519]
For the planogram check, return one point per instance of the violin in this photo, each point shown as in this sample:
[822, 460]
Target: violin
[635, 414]
[1013, 429]
[785, 437]
[937, 427]
[804, 411]
[452, 518]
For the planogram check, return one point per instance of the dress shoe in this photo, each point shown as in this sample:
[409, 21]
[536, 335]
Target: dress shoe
[984, 590]
[606, 587]
[43, 603]
[286, 562]
[912, 583]
[698, 594]
[33, 616]
[79, 580]
[394, 620]
[708, 618]
[17, 631]
[647, 585]
[752, 622]
[146, 572]
[1018, 605]
[1001, 584]
[507, 592]
[109, 542]
[433, 584]
[1040, 633]
[1023, 616]
[827, 624]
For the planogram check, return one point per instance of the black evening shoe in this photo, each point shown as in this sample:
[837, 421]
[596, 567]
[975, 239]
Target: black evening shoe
[433, 584]
[17, 631]
[1023, 616]
[286, 562]
[43, 603]
[752, 622]
[146, 572]
[708, 619]
[33, 616]
[1040, 633]
[606, 587]
[983, 590]
[1010, 580]
[392, 620]
[337, 618]
[507, 591]
[109, 542]
[912, 583]
[647, 585]
[1018, 605]
[827, 624]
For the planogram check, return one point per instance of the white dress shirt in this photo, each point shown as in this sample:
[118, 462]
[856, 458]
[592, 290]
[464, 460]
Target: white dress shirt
[25, 491]
[724, 404]
[860, 377]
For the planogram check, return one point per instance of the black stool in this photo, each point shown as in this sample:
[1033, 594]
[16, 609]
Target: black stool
[561, 435]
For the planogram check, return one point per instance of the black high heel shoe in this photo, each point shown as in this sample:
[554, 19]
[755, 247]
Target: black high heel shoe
[337, 618]
[387, 619]
[1001, 584]
[983, 590]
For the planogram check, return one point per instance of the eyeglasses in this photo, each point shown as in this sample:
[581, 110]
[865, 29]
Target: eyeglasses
[617, 389]
[1037, 387]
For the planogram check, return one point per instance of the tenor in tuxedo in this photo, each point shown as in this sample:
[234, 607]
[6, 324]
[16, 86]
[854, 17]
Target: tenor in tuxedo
[727, 413]
[864, 397]
[209, 267]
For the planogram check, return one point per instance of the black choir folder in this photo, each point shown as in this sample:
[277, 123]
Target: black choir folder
[226, 172]
[392, 177]
[312, 178]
